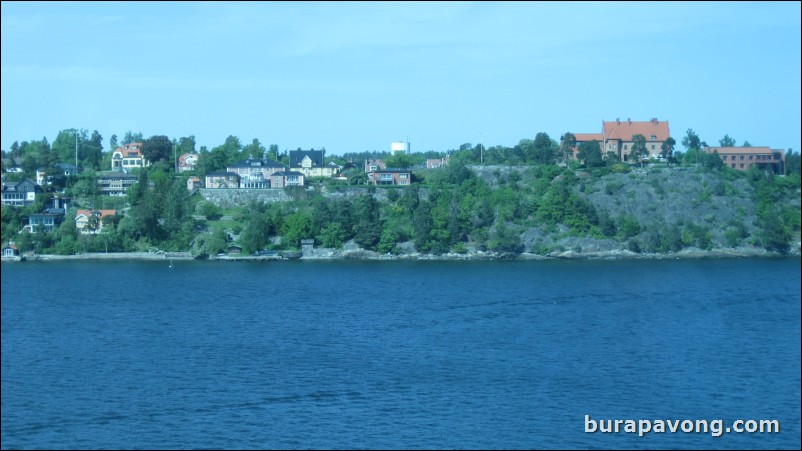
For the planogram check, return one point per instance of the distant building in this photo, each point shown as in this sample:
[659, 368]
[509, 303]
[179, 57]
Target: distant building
[127, 157]
[116, 183]
[63, 168]
[255, 173]
[283, 179]
[311, 163]
[187, 162]
[390, 177]
[743, 158]
[222, 179]
[20, 194]
[374, 165]
[434, 163]
[193, 183]
[82, 220]
[617, 137]
[397, 147]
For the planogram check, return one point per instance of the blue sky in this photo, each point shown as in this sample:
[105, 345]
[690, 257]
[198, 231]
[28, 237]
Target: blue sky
[357, 76]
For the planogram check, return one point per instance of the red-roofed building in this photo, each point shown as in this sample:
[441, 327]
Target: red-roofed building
[743, 158]
[617, 136]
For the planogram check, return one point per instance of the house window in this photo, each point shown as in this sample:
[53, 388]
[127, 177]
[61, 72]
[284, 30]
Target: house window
[652, 146]
[742, 157]
[742, 165]
[751, 157]
[403, 176]
[654, 138]
[625, 147]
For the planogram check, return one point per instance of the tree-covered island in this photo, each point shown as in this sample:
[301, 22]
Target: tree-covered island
[540, 197]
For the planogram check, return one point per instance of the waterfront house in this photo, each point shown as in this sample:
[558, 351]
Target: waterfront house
[83, 217]
[743, 158]
[21, 193]
[127, 157]
[46, 221]
[10, 251]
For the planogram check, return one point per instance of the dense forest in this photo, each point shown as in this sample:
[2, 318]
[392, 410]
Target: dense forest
[527, 198]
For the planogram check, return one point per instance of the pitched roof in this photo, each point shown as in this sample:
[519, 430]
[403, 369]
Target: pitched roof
[296, 156]
[581, 137]
[625, 130]
[127, 149]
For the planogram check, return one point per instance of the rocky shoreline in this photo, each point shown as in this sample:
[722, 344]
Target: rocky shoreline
[473, 255]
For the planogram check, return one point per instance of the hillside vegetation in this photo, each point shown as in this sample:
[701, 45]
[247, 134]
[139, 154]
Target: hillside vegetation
[459, 209]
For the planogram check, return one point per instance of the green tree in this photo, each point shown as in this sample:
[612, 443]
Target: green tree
[254, 150]
[567, 145]
[186, 144]
[691, 140]
[332, 235]
[589, 153]
[157, 148]
[726, 141]
[113, 143]
[255, 235]
[639, 150]
[130, 137]
[792, 163]
[400, 160]
[747, 144]
[667, 149]
[544, 149]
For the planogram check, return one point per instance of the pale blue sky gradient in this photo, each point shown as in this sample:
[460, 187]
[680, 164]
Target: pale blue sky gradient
[357, 76]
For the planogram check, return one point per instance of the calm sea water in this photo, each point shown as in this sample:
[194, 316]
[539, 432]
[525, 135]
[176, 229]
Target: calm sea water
[396, 354]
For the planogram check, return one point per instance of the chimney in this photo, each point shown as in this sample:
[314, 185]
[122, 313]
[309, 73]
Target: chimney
[618, 121]
[629, 120]
[654, 120]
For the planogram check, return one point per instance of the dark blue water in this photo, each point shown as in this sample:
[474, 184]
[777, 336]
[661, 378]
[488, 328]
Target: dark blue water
[396, 354]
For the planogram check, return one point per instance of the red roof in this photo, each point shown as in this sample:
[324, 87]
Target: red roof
[625, 130]
[581, 137]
